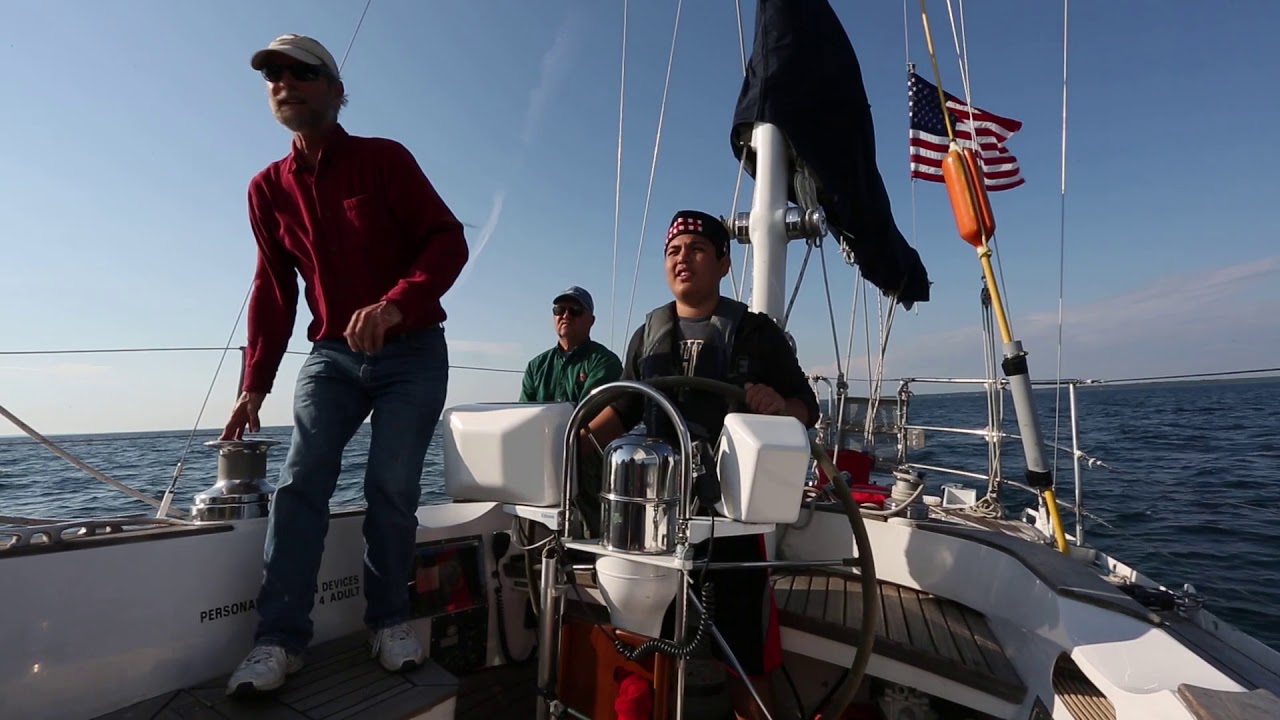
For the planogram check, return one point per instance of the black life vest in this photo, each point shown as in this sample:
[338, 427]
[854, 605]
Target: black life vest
[718, 359]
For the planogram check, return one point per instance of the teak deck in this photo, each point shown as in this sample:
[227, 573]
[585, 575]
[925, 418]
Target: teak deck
[933, 634]
[340, 681]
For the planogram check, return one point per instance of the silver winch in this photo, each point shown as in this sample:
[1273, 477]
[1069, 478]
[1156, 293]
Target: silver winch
[641, 495]
[241, 491]
[907, 491]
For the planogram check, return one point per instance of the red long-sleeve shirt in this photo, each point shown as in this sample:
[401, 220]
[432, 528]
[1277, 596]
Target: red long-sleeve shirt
[365, 225]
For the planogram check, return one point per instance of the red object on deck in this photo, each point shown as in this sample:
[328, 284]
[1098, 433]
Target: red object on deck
[635, 698]
[869, 494]
[858, 464]
[855, 462]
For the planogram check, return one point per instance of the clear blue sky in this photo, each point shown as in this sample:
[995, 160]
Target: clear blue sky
[130, 131]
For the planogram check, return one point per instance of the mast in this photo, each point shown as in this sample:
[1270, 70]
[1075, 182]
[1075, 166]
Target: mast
[767, 230]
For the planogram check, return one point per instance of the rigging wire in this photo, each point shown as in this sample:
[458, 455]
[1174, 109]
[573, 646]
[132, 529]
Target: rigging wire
[853, 319]
[104, 351]
[1062, 244]
[742, 42]
[617, 189]
[653, 165]
[1104, 381]
[1185, 376]
[831, 310]
[163, 509]
[740, 287]
[906, 31]
[354, 33]
[906, 44]
[795, 292]
[866, 329]
[873, 402]
[95, 473]
[961, 41]
[962, 57]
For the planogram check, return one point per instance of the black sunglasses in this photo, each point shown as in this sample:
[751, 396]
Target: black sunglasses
[301, 72]
[559, 310]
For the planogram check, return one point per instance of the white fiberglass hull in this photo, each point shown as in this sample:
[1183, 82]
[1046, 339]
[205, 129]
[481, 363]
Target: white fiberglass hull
[89, 629]
[100, 624]
[1038, 619]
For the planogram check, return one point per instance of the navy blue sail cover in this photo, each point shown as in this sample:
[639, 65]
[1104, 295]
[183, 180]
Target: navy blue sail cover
[804, 78]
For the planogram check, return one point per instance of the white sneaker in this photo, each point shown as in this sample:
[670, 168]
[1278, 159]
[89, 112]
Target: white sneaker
[264, 669]
[397, 648]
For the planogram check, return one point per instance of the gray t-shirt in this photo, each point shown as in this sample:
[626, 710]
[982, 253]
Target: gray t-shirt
[693, 334]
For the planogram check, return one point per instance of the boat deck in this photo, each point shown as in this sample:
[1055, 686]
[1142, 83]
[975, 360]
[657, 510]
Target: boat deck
[932, 634]
[341, 682]
[499, 692]
[1230, 661]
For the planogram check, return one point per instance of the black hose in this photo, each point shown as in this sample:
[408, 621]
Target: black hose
[503, 643]
[499, 545]
[667, 647]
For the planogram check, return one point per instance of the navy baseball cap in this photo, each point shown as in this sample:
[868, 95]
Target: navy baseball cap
[582, 296]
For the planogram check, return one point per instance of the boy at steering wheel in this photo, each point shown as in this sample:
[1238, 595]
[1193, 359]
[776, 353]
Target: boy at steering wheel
[704, 334]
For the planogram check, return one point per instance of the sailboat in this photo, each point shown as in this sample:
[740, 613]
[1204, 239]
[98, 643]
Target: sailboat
[908, 605]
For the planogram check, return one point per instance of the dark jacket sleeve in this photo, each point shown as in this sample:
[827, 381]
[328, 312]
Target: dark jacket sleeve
[630, 407]
[780, 368]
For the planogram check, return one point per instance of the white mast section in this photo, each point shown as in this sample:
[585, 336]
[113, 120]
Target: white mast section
[767, 221]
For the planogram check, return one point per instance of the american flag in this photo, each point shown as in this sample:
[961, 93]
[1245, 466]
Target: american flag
[929, 143]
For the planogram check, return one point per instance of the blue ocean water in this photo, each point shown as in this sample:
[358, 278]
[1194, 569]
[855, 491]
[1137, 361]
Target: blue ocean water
[1192, 496]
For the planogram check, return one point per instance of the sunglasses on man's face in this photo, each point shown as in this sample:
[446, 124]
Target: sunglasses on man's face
[559, 310]
[300, 72]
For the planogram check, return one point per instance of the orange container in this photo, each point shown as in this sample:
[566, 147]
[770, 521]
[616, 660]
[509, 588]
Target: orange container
[985, 216]
[956, 174]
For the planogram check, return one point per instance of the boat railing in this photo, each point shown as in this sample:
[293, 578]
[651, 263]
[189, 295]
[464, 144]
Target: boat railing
[911, 436]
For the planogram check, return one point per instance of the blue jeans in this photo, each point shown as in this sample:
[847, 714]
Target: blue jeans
[404, 387]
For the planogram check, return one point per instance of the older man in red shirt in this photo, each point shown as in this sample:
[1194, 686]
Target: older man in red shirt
[377, 248]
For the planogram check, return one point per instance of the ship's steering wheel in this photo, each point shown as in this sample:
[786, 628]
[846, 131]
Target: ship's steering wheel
[839, 699]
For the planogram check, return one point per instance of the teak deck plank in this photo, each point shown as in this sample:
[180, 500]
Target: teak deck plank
[931, 633]
[1208, 704]
[498, 692]
[339, 681]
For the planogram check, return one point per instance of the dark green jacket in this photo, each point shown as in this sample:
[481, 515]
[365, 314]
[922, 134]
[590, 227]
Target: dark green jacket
[559, 376]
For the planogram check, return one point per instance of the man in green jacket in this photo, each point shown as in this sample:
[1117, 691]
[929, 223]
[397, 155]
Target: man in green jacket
[577, 364]
[566, 373]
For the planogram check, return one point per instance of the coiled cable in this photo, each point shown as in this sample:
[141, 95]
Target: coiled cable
[667, 647]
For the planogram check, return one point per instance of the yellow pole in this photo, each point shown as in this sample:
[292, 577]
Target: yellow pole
[984, 254]
[937, 76]
[1006, 333]
[997, 304]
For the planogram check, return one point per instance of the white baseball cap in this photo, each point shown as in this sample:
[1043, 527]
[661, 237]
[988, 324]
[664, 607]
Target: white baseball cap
[299, 47]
